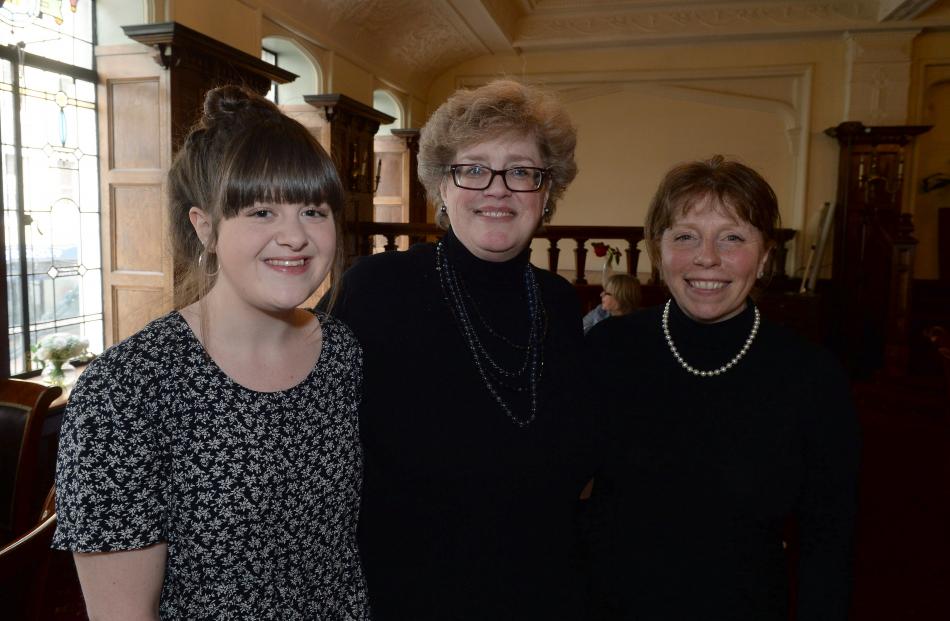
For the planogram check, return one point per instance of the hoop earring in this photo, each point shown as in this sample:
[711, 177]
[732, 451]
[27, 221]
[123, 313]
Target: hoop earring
[203, 267]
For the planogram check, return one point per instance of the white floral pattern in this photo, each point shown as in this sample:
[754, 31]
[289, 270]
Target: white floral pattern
[256, 494]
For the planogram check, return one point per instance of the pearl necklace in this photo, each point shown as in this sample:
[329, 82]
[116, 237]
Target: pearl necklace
[723, 368]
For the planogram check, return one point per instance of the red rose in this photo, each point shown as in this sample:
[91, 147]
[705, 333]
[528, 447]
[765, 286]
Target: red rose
[600, 249]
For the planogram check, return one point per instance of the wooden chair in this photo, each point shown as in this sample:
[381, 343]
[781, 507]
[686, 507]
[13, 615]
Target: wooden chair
[939, 337]
[23, 408]
[23, 568]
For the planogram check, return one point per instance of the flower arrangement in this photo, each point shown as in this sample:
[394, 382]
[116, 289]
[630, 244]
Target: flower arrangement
[54, 350]
[611, 252]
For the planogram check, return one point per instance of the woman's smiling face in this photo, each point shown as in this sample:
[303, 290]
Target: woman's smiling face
[496, 224]
[710, 260]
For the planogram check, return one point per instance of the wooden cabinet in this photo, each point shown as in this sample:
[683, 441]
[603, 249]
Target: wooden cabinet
[873, 246]
[352, 128]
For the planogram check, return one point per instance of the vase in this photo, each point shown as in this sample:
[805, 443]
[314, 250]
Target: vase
[606, 273]
[54, 372]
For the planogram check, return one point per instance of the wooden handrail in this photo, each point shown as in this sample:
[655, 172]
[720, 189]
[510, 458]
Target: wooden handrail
[581, 234]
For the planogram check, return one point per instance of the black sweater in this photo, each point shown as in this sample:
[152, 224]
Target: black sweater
[703, 474]
[465, 515]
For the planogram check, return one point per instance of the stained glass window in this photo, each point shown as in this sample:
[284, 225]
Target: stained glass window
[50, 174]
[55, 29]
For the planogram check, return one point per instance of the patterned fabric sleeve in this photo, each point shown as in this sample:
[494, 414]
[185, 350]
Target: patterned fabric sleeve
[110, 471]
[351, 576]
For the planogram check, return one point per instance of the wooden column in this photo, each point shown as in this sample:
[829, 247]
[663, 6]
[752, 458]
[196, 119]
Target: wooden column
[352, 127]
[871, 252]
[149, 96]
[418, 204]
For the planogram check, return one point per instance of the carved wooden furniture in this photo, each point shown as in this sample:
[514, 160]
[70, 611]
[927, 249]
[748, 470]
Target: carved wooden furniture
[418, 205]
[149, 96]
[23, 567]
[939, 339]
[399, 195]
[943, 243]
[352, 127]
[873, 247]
[23, 408]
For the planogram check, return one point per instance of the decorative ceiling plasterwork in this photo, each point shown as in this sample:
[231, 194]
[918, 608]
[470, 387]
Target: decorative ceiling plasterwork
[409, 43]
[406, 42]
[544, 29]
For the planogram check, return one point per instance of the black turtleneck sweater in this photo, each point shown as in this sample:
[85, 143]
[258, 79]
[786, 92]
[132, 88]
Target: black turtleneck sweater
[703, 473]
[465, 515]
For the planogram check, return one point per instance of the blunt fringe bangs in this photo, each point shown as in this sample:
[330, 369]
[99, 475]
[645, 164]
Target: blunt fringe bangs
[243, 151]
[279, 164]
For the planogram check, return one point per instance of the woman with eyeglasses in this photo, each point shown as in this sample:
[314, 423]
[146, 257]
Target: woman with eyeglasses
[475, 449]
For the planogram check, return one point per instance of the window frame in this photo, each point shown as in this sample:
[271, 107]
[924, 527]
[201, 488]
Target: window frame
[18, 57]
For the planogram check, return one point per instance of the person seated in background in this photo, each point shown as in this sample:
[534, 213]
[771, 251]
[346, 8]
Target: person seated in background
[621, 296]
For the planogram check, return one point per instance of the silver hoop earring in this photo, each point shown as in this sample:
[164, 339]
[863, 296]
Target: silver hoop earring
[203, 267]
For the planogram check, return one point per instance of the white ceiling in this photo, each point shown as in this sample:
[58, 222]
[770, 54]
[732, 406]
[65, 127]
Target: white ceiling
[410, 42]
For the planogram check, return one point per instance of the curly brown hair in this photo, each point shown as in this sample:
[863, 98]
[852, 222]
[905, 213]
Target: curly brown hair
[500, 107]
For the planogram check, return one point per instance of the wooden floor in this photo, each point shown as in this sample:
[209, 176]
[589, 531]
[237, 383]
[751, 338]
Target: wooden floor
[902, 561]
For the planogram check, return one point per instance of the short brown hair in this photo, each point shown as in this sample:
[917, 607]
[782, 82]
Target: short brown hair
[626, 290]
[243, 150]
[734, 185]
[500, 107]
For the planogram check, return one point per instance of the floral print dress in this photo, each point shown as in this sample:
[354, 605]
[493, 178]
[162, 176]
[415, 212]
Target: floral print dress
[256, 494]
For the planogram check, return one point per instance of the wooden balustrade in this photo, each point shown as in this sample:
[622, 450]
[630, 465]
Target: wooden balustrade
[580, 234]
[632, 235]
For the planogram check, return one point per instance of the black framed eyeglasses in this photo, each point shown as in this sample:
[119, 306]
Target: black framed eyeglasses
[516, 179]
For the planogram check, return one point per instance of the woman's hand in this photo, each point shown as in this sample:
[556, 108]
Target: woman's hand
[122, 585]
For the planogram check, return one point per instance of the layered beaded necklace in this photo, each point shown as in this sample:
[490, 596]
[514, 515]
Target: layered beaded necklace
[528, 374]
[711, 373]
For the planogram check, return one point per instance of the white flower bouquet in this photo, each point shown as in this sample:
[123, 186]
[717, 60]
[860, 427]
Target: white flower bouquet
[54, 350]
[59, 347]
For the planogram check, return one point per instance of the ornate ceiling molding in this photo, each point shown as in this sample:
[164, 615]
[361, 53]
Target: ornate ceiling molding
[409, 43]
[633, 23]
[406, 42]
